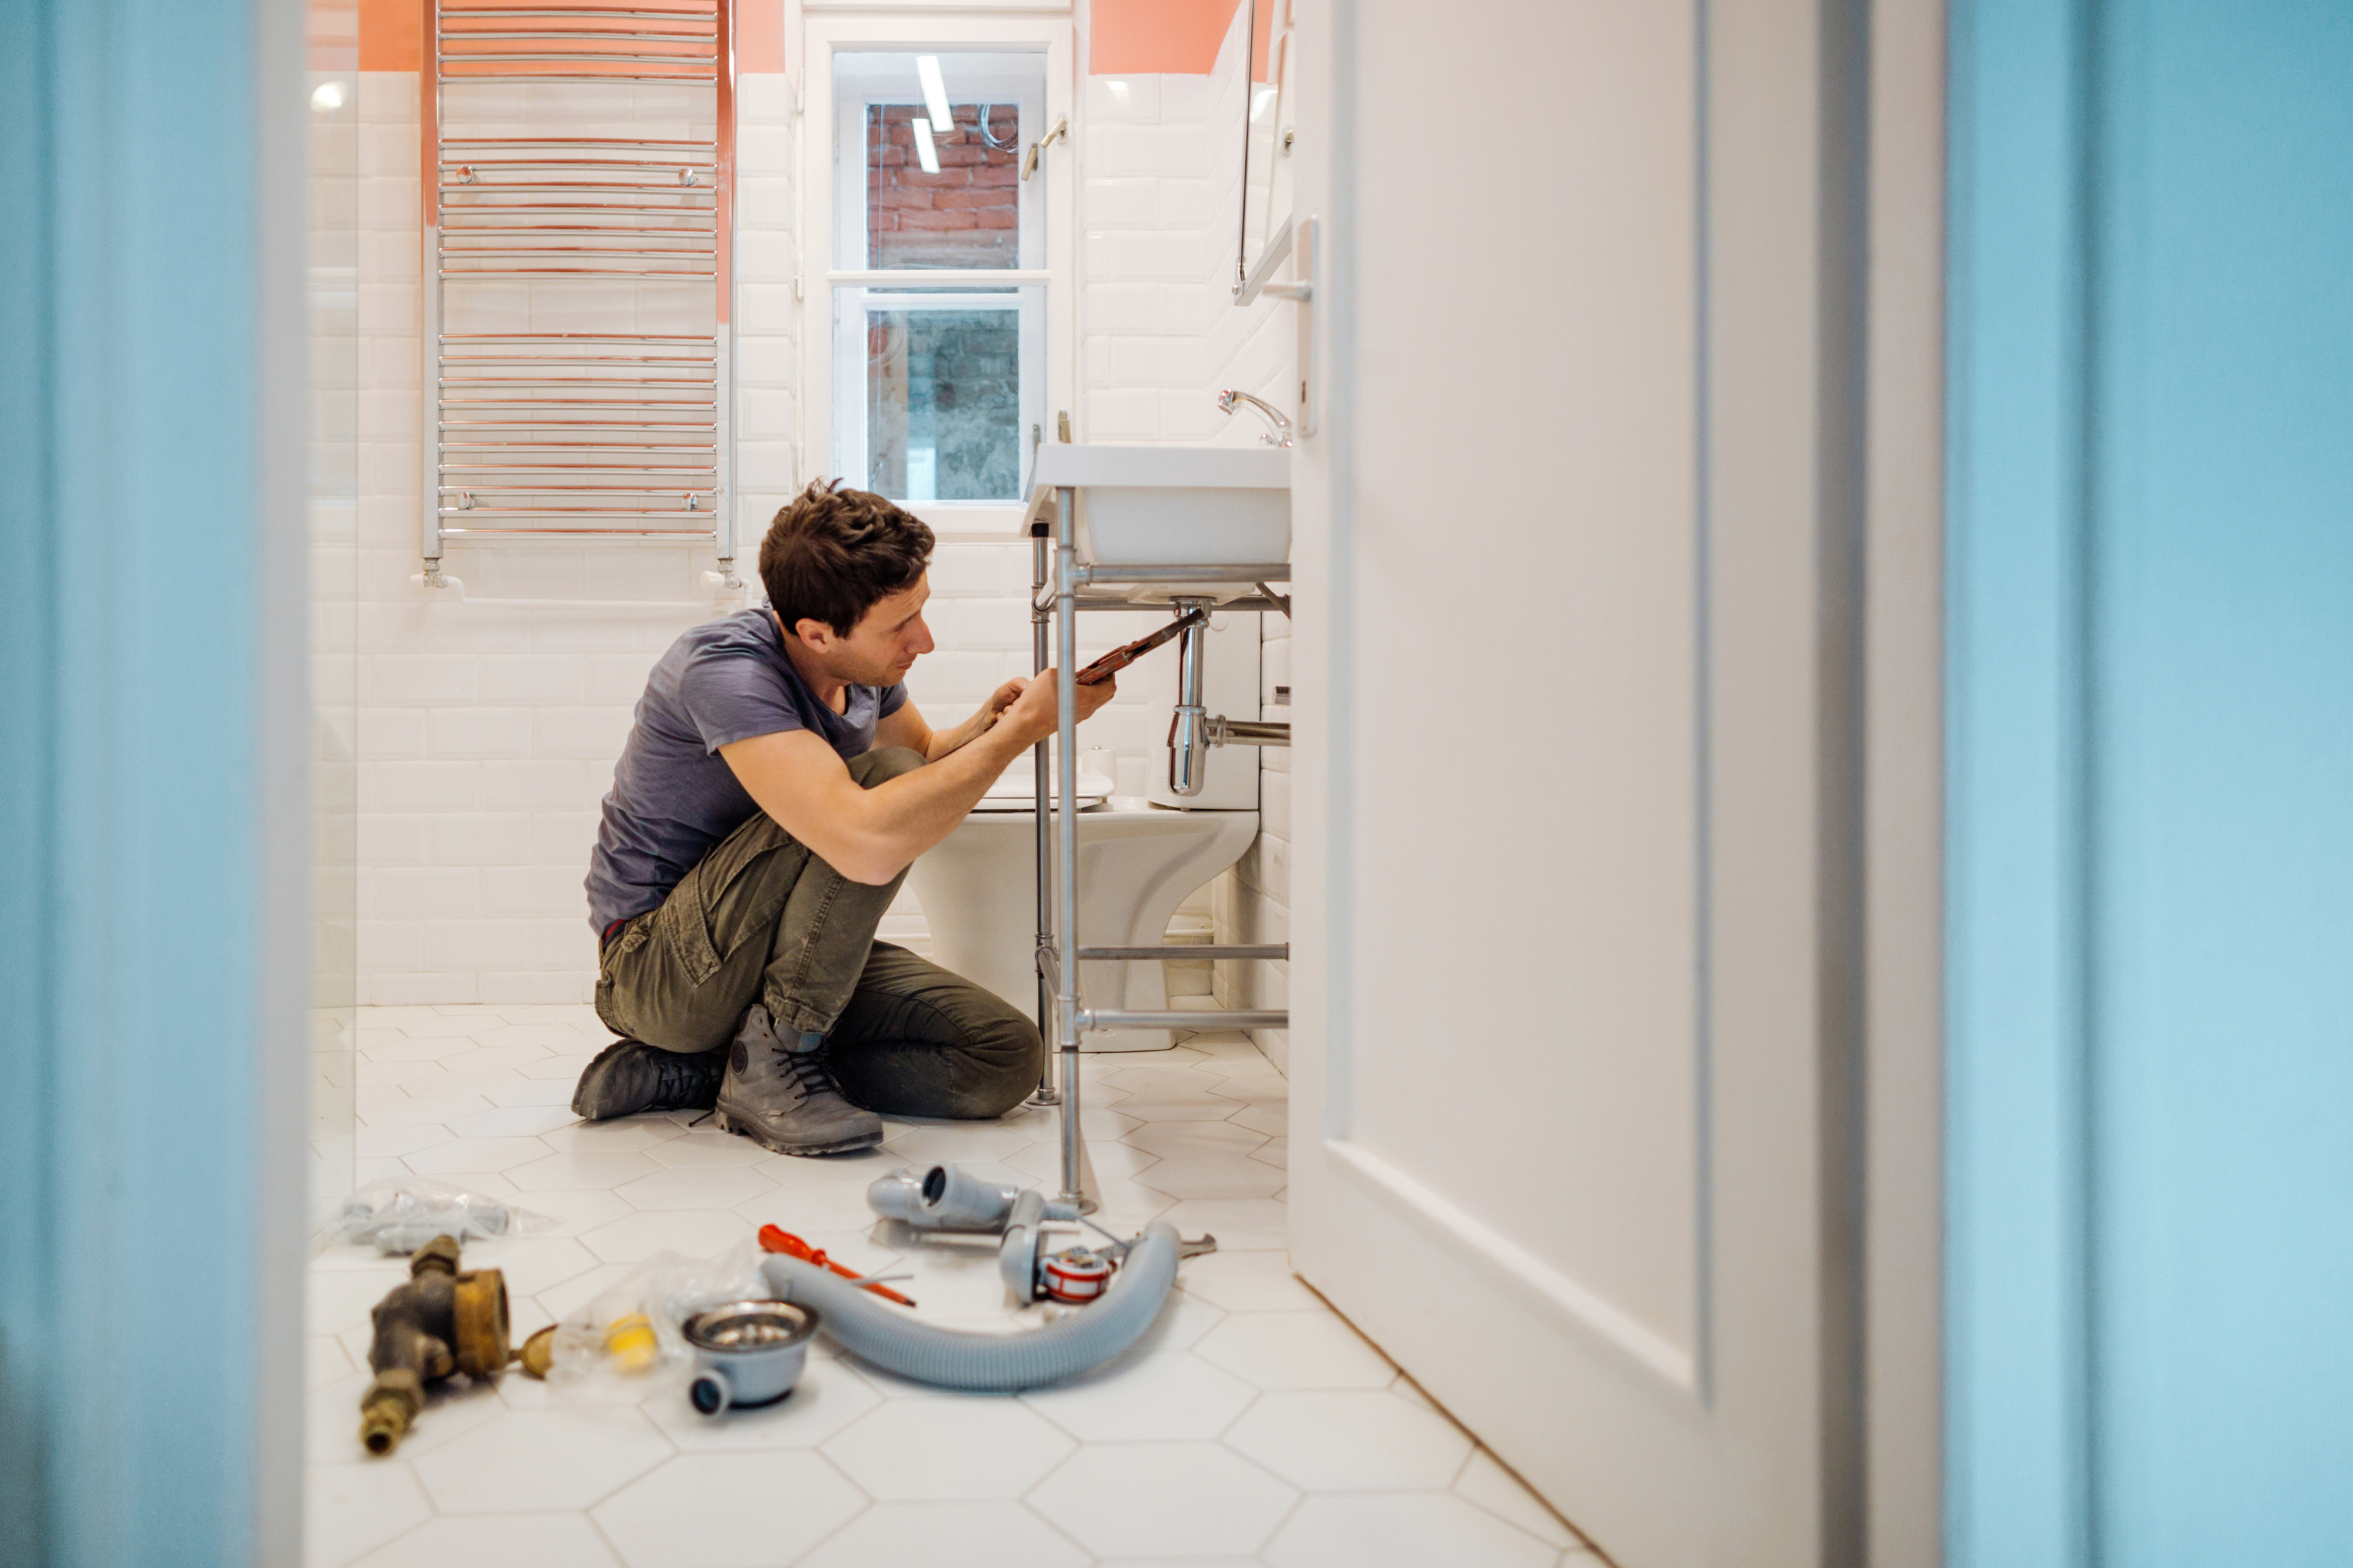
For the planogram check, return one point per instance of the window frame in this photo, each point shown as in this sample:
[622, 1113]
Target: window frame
[823, 381]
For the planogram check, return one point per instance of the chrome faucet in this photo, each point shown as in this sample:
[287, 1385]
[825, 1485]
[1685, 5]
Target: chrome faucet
[1277, 432]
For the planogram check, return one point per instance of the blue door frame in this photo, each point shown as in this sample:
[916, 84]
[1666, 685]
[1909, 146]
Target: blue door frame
[2151, 711]
[153, 944]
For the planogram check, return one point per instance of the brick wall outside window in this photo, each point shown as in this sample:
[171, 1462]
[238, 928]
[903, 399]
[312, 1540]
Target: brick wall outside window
[968, 214]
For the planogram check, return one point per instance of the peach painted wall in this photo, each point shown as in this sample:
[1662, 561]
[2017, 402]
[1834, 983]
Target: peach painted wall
[1168, 36]
[392, 35]
[759, 36]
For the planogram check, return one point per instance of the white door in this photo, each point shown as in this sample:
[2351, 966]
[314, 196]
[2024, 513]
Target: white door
[1575, 891]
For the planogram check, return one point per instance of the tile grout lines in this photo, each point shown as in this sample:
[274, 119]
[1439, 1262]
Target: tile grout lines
[1251, 1420]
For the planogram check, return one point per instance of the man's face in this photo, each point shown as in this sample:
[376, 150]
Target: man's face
[882, 646]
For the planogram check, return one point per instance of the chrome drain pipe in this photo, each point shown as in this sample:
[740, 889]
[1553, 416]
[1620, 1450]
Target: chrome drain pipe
[1188, 726]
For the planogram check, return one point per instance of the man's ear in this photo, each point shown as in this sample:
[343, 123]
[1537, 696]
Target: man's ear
[814, 633]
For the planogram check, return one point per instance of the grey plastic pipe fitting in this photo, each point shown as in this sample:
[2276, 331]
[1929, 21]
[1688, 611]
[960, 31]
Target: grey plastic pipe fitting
[945, 1198]
[871, 1329]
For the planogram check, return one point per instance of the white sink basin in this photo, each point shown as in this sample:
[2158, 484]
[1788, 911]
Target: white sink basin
[1210, 506]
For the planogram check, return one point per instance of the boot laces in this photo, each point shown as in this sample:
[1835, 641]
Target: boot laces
[678, 1078]
[810, 1073]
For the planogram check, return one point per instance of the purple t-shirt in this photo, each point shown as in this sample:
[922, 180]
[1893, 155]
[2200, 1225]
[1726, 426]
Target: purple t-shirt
[673, 794]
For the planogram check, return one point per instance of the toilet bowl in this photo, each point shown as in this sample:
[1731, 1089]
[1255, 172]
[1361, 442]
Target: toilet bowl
[1137, 862]
[1139, 856]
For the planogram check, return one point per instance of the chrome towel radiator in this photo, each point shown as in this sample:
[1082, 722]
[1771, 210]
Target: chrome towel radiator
[600, 431]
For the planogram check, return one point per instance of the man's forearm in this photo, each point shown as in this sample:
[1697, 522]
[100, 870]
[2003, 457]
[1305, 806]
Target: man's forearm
[909, 814]
[944, 741]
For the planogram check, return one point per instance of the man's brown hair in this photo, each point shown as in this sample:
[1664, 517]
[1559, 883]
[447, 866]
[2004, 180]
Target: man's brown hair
[831, 552]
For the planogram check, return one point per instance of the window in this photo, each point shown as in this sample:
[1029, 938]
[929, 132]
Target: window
[942, 285]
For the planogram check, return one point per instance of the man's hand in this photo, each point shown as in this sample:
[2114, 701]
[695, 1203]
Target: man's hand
[1031, 712]
[1002, 698]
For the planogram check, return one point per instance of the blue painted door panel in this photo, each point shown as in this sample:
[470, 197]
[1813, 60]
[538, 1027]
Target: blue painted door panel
[2151, 970]
[149, 1315]
[2221, 770]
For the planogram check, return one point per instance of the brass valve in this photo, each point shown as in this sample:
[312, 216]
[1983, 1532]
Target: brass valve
[440, 1322]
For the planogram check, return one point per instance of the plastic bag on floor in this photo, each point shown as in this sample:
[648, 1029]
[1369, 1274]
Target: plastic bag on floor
[401, 1214]
[636, 1325]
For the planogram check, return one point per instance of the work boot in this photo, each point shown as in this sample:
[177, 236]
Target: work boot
[630, 1076]
[778, 1093]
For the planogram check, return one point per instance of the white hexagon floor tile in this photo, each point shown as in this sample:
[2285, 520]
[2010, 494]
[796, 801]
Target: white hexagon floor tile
[1402, 1529]
[533, 1091]
[1243, 1224]
[829, 1170]
[527, 1461]
[587, 1172]
[325, 1360]
[391, 1143]
[532, 1264]
[475, 1154]
[1165, 1396]
[482, 1183]
[1213, 1176]
[1250, 1282]
[349, 1510]
[1250, 1423]
[513, 1121]
[1112, 1159]
[1168, 1499]
[430, 1049]
[1351, 1440]
[488, 1056]
[453, 1023]
[1485, 1482]
[411, 1110]
[936, 1143]
[694, 1232]
[497, 1540]
[694, 1186]
[459, 1079]
[708, 1144]
[1295, 1349]
[1271, 1117]
[549, 1038]
[367, 1074]
[625, 1135]
[832, 1204]
[727, 1510]
[947, 1449]
[575, 1211]
[1191, 1105]
[1176, 1140]
[949, 1534]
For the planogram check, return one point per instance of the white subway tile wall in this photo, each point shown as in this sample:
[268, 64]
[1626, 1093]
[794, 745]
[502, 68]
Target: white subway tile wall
[488, 734]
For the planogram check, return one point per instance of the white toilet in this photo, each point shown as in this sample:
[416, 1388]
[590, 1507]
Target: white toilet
[1139, 856]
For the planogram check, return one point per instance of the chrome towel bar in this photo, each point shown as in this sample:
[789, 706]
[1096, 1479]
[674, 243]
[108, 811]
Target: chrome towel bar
[586, 435]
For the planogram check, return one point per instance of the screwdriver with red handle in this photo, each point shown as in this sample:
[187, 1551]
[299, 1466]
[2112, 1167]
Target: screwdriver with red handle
[773, 1239]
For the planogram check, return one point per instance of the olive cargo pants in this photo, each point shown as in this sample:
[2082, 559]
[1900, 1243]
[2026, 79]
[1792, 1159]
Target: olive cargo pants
[761, 919]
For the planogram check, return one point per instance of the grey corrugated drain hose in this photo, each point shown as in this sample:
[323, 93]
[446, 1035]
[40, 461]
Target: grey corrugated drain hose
[989, 1363]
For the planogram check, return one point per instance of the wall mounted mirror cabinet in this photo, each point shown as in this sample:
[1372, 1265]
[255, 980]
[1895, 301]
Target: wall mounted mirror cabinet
[1268, 139]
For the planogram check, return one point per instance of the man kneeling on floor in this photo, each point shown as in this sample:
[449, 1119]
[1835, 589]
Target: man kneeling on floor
[773, 792]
